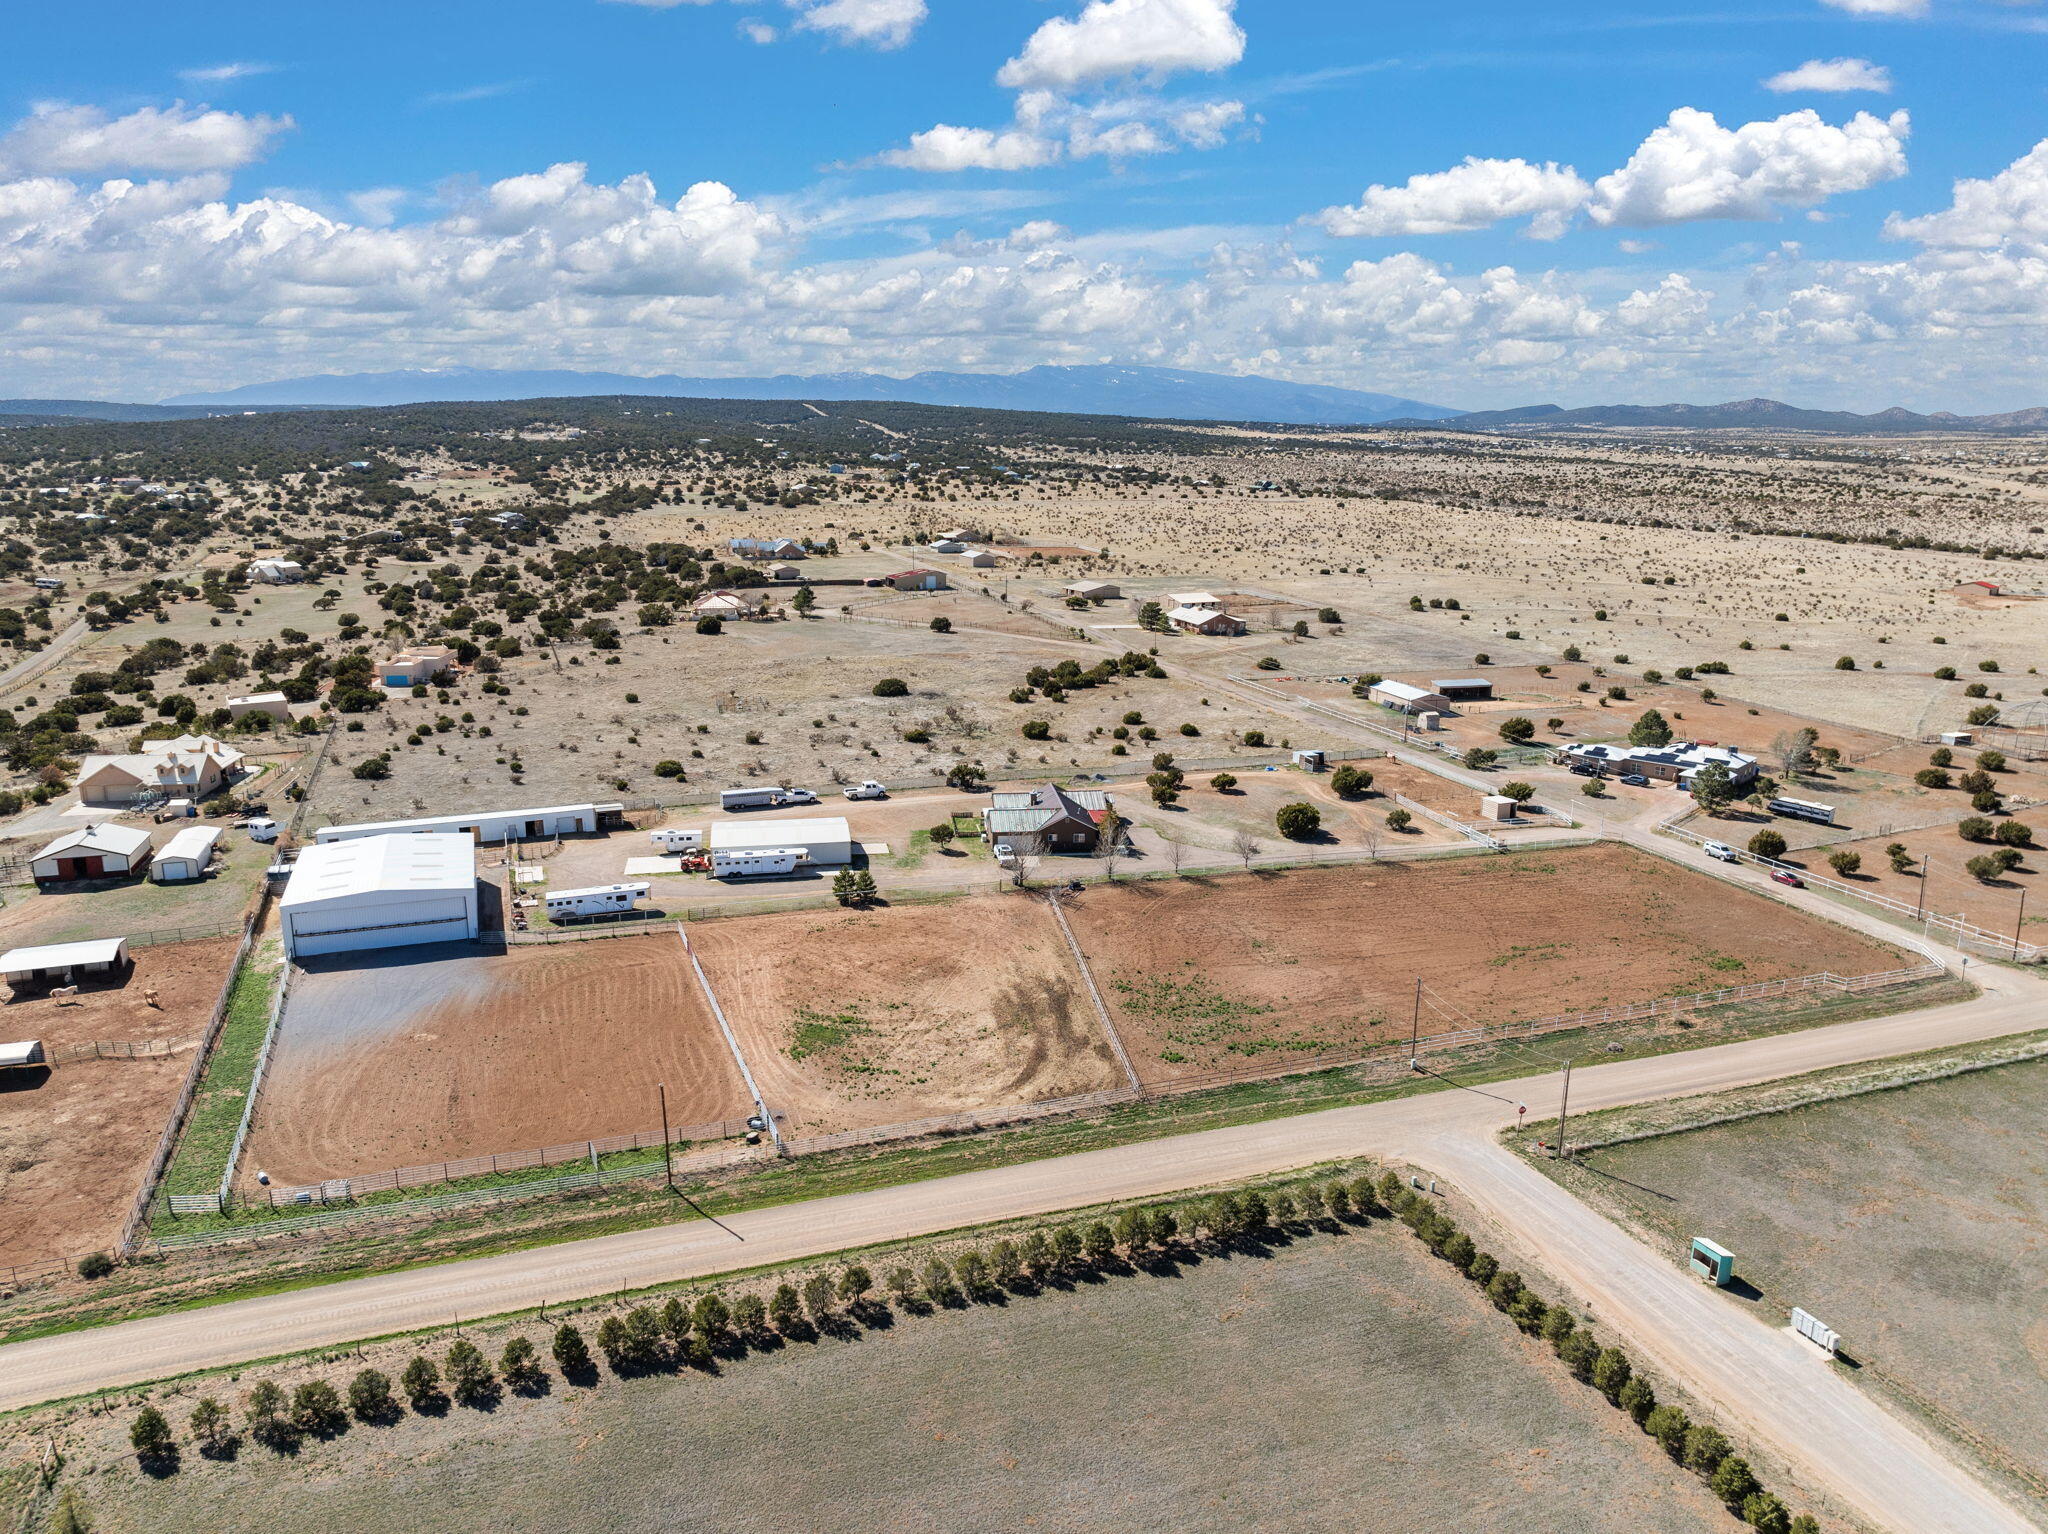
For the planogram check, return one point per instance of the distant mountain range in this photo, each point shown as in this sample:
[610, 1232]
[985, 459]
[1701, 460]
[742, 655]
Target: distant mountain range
[1154, 393]
[1753, 414]
[104, 410]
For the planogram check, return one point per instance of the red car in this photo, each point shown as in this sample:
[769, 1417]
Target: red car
[1781, 877]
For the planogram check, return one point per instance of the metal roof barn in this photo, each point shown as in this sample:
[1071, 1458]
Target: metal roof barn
[380, 892]
[824, 838]
[60, 963]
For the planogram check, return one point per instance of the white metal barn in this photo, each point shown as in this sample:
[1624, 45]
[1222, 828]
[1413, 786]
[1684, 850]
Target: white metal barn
[380, 892]
[488, 825]
[185, 856]
[598, 900]
[822, 839]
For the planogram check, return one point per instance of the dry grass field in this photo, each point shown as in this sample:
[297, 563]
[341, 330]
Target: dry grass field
[447, 1050]
[1238, 968]
[74, 1138]
[1345, 1383]
[857, 1018]
[1909, 1220]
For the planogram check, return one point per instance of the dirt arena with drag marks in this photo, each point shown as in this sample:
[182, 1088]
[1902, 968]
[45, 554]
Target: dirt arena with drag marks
[858, 1018]
[448, 1050]
[1224, 971]
[75, 1137]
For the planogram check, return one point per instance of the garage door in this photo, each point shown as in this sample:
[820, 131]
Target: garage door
[318, 932]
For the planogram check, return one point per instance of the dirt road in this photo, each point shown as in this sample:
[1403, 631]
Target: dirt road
[1758, 1378]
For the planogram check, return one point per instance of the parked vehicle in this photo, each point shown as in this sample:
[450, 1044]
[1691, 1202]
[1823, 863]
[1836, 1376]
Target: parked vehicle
[763, 798]
[1782, 877]
[1635, 780]
[1724, 852]
[1580, 769]
[1006, 854]
[868, 790]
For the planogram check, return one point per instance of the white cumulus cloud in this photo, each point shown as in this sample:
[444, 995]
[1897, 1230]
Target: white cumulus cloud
[1112, 39]
[1466, 197]
[1879, 7]
[83, 140]
[1833, 75]
[883, 23]
[2010, 207]
[949, 148]
[1693, 168]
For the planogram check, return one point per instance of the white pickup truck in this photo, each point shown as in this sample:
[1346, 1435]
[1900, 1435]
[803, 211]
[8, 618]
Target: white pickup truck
[868, 790]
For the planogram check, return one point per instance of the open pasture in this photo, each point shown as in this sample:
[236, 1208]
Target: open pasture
[857, 1018]
[443, 1051]
[1230, 970]
[75, 1137]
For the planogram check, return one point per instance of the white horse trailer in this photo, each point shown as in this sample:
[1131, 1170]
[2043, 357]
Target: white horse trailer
[678, 838]
[598, 900]
[756, 862]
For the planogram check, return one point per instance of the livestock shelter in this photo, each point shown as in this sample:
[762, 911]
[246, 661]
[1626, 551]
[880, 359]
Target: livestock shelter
[185, 856]
[24, 1055]
[1408, 698]
[92, 852]
[380, 892]
[37, 969]
[1464, 689]
[491, 825]
[823, 838]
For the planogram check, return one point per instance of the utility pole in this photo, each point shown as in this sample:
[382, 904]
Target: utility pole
[1415, 1025]
[2018, 923]
[1563, 1108]
[668, 1165]
[1921, 909]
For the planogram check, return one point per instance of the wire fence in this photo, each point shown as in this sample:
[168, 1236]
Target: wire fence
[256, 1080]
[344, 1189]
[111, 1049]
[181, 1108]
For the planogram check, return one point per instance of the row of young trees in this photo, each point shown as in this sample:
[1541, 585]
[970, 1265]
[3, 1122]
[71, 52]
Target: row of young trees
[683, 1333]
[1699, 1446]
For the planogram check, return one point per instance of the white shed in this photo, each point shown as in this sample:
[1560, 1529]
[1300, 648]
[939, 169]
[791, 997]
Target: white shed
[822, 839]
[275, 704]
[185, 856]
[25, 1055]
[63, 963]
[380, 892]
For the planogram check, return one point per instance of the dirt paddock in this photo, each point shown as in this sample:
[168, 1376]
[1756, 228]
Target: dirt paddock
[448, 1050]
[858, 1018]
[74, 1138]
[1223, 971]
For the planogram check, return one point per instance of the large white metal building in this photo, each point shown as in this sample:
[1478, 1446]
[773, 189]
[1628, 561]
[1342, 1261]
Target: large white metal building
[380, 892]
[489, 825]
[823, 838]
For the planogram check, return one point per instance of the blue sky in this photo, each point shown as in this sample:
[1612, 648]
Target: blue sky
[212, 194]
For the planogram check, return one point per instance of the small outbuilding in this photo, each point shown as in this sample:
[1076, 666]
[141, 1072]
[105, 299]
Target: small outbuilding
[37, 969]
[916, 580]
[1203, 599]
[1408, 698]
[380, 892]
[1464, 689]
[1093, 591]
[26, 1055]
[1496, 807]
[92, 852]
[186, 856]
[275, 704]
